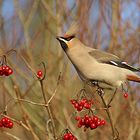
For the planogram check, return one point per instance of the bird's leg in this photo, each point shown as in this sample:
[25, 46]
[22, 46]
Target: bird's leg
[124, 89]
[100, 90]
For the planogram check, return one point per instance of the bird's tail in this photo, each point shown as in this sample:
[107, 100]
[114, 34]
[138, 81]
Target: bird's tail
[133, 78]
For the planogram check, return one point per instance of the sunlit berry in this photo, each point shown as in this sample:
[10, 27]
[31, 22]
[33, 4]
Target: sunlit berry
[103, 122]
[39, 74]
[66, 137]
[93, 126]
[125, 95]
[95, 118]
[79, 108]
[10, 125]
[87, 105]
[98, 123]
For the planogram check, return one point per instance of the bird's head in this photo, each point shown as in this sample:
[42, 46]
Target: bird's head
[66, 41]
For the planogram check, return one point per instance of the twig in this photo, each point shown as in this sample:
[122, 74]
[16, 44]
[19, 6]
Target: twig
[100, 93]
[48, 102]
[27, 64]
[10, 135]
[54, 90]
[32, 131]
[31, 102]
[112, 97]
[17, 121]
[17, 91]
[48, 109]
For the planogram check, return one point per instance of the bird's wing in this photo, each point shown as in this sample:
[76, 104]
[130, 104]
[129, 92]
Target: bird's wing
[104, 57]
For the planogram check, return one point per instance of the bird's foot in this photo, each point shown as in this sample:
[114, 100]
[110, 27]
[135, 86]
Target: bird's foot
[94, 83]
[100, 91]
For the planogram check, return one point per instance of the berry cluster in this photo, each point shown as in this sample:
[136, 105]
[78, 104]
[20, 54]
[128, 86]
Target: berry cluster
[39, 74]
[69, 136]
[5, 70]
[83, 103]
[91, 122]
[6, 122]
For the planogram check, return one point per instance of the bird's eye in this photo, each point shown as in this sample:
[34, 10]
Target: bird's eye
[68, 38]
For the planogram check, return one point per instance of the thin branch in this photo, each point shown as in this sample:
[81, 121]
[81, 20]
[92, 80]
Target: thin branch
[112, 97]
[100, 93]
[47, 103]
[17, 121]
[18, 10]
[10, 135]
[31, 102]
[17, 91]
[32, 12]
[47, 7]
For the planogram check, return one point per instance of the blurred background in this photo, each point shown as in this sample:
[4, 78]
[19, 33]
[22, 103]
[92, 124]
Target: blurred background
[30, 27]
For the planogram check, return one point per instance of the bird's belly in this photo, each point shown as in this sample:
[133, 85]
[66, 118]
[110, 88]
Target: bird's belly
[113, 76]
[93, 70]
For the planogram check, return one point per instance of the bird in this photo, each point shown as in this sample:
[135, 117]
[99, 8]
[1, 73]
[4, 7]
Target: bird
[94, 65]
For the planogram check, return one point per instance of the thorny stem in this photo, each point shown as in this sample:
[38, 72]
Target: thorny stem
[100, 93]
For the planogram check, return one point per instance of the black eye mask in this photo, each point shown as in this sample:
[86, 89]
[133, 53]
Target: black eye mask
[68, 38]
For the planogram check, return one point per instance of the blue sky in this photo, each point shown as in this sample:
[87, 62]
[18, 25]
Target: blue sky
[7, 9]
[127, 10]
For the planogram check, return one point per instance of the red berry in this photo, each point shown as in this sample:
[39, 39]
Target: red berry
[77, 118]
[39, 74]
[125, 95]
[87, 123]
[79, 125]
[79, 108]
[3, 68]
[66, 137]
[73, 101]
[87, 105]
[73, 138]
[103, 122]
[1, 125]
[93, 126]
[7, 68]
[90, 120]
[76, 105]
[10, 71]
[83, 101]
[69, 135]
[86, 116]
[81, 121]
[4, 120]
[95, 118]
[10, 125]
[98, 123]
[1, 71]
